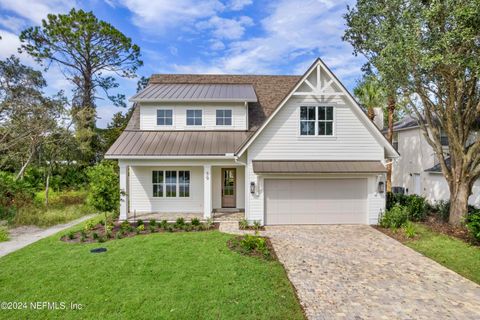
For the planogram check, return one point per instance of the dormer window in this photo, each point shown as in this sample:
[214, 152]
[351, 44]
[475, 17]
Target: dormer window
[316, 121]
[164, 117]
[224, 117]
[194, 117]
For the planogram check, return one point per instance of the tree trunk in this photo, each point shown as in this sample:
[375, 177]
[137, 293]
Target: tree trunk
[371, 114]
[24, 167]
[47, 185]
[391, 110]
[459, 202]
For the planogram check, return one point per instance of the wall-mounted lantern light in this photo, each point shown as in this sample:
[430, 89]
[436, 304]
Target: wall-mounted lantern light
[252, 187]
[381, 187]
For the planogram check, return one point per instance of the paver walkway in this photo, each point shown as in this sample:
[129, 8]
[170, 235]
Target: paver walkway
[357, 272]
[23, 236]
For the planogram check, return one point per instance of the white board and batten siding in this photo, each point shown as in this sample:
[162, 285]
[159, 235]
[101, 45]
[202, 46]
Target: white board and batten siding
[281, 140]
[148, 116]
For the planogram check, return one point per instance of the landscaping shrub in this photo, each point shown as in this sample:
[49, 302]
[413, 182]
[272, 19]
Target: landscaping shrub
[104, 191]
[395, 217]
[251, 243]
[416, 207]
[140, 228]
[473, 224]
[395, 198]
[152, 222]
[3, 234]
[180, 222]
[195, 222]
[409, 229]
[442, 210]
[243, 223]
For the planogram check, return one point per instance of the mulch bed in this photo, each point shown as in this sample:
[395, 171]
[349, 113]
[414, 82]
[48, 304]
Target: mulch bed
[99, 229]
[434, 224]
[235, 245]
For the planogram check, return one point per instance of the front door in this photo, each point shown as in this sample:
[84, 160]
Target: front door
[229, 176]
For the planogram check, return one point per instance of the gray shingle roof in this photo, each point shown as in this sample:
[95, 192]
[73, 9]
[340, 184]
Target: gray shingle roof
[221, 92]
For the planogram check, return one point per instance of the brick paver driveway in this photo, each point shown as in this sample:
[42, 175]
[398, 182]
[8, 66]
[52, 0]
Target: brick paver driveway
[356, 272]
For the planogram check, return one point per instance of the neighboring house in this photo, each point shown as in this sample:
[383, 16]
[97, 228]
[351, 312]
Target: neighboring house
[284, 149]
[418, 171]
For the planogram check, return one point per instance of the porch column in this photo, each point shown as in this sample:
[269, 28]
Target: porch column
[123, 191]
[207, 191]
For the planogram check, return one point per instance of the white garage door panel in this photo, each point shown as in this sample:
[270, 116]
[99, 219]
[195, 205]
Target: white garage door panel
[316, 201]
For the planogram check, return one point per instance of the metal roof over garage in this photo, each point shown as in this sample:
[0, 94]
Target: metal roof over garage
[171, 92]
[267, 166]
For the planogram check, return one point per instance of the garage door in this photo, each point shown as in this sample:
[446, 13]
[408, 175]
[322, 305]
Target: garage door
[316, 201]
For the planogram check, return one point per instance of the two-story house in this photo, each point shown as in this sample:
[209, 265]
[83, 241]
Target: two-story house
[418, 171]
[281, 149]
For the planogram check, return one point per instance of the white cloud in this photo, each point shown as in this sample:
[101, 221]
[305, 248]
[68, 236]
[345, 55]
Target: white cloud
[12, 23]
[293, 36]
[230, 29]
[216, 45]
[161, 15]
[8, 44]
[35, 11]
[239, 4]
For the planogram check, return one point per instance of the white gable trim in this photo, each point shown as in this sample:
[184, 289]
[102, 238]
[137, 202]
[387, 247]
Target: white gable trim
[318, 65]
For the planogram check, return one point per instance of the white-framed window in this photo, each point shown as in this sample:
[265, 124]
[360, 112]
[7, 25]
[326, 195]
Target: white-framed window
[171, 183]
[164, 117]
[184, 184]
[194, 117]
[224, 117]
[316, 120]
[325, 121]
[157, 181]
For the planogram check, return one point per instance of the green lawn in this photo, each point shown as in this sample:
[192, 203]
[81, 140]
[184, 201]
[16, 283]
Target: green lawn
[162, 276]
[450, 252]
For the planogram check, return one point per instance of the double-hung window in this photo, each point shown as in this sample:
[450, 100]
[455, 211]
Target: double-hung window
[171, 184]
[194, 117]
[224, 117]
[307, 121]
[325, 121]
[164, 117]
[316, 121]
[184, 184]
[157, 180]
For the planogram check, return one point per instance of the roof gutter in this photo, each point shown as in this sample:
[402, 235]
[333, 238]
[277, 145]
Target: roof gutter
[176, 157]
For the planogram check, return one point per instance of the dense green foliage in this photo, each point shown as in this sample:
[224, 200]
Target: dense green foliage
[428, 53]
[190, 275]
[3, 234]
[14, 194]
[395, 217]
[453, 253]
[103, 187]
[86, 49]
[473, 224]
[416, 206]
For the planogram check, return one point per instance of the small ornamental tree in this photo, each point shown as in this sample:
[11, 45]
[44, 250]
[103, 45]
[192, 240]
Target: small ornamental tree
[104, 190]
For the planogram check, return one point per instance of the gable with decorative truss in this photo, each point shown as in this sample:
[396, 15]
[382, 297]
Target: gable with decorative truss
[353, 130]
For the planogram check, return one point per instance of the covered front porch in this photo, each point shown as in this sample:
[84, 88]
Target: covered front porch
[169, 189]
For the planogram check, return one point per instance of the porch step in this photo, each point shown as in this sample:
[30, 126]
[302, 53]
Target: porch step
[228, 210]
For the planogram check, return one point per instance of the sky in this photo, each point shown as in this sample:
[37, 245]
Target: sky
[206, 36]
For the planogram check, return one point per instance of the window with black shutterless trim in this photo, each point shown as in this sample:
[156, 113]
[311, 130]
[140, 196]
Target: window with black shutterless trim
[171, 183]
[316, 121]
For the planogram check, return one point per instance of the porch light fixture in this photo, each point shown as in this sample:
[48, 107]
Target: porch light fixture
[252, 187]
[381, 187]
